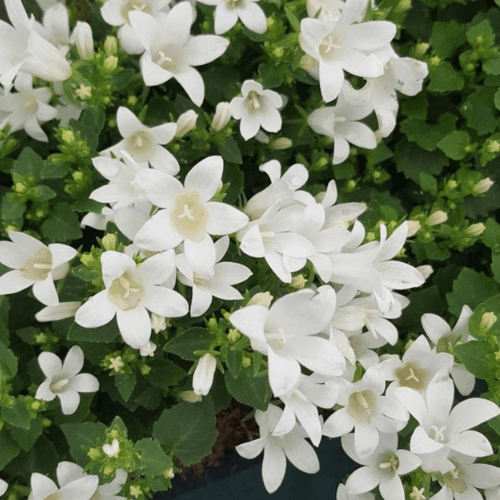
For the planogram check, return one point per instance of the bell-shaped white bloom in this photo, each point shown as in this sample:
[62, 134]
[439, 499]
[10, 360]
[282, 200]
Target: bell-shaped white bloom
[131, 291]
[417, 367]
[144, 144]
[301, 404]
[188, 215]
[339, 45]
[277, 450]
[27, 108]
[217, 285]
[382, 468]
[341, 123]
[171, 51]
[227, 13]
[24, 49]
[444, 338]
[117, 13]
[203, 376]
[64, 380]
[286, 333]
[367, 411]
[442, 430]
[33, 263]
[256, 108]
[461, 482]
[3, 487]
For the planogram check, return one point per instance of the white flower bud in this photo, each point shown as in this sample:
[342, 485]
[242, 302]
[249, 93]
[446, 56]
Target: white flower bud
[261, 299]
[281, 143]
[488, 319]
[475, 230]
[158, 323]
[111, 46]
[425, 271]
[112, 450]
[83, 39]
[186, 122]
[482, 186]
[204, 374]
[436, 218]
[222, 116]
[413, 227]
[148, 349]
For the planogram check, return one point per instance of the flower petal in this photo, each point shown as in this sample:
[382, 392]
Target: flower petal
[470, 413]
[13, 282]
[300, 453]
[165, 302]
[73, 362]
[83, 382]
[97, 311]
[135, 326]
[200, 255]
[50, 364]
[284, 373]
[69, 401]
[45, 291]
[273, 466]
[362, 480]
[205, 177]
[251, 449]
[158, 233]
[366, 439]
[224, 219]
[392, 488]
[338, 424]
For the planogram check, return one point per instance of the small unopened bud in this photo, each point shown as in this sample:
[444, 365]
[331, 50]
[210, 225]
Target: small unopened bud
[413, 227]
[488, 319]
[425, 271]
[186, 122]
[83, 39]
[111, 46]
[158, 323]
[475, 230]
[110, 64]
[112, 450]
[109, 241]
[222, 116]
[246, 362]
[148, 349]
[233, 335]
[190, 396]
[298, 282]
[204, 374]
[436, 218]
[281, 143]
[261, 299]
[482, 186]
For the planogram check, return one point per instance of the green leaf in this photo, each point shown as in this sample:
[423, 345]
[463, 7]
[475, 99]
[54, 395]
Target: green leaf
[43, 193]
[94, 118]
[17, 415]
[222, 83]
[81, 437]
[497, 99]
[481, 34]
[495, 266]
[471, 288]
[427, 136]
[491, 234]
[164, 373]
[447, 37]
[26, 438]
[8, 362]
[478, 110]
[54, 170]
[87, 134]
[494, 423]
[9, 448]
[248, 389]
[230, 151]
[62, 225]
[454, 145]
[428, 183]
[28, 164]
[271, 75]
[234, 359]
[12, 211]
[4, 321]
[150, 398]
[492, 65]
[123, 79]
[476, 326]
[474, 356]
[193, 339]
[106, 333]
[444, 78]
[292, 19]
[125, 383]
[154, 461]
[187, 429]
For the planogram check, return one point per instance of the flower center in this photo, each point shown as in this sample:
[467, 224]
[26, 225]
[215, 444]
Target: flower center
[276, 339]
[331, 44]
[231, 4]
[127, 290]
[200, 282]
[437, 433]
[165, 61]
[455, 479]
[58, 386]
[53, 496]
[447, 342]
[362, 405]
[253, 101]
[389, 463]
[129, 5]
[139, 145]
[38, 267]
[190, 217]
[411, 375]
[30, 103]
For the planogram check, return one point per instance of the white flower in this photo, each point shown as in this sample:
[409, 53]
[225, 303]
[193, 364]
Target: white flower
[445, 338]
[218, 285]
[367, 411]
[341, 123]
[203, 376]
[277, 449]
[222, 116]
[83, 39]
[3, 487]
[117, 13]
[286, 333]
[339, 45]
[64, 380]
[111, 450]
[144, 144]
[33, 263]
[170, 50]
[188, 215]
[256, 108]
[56, 27]
[132, 290]
[186, 122]
[382, 468]
[82, 487]
[27, 108]
[227, 13]
[150, 348]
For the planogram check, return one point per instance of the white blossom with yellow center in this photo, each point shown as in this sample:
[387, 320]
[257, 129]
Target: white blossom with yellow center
[187, 214]
[33, 263]
[131, 291]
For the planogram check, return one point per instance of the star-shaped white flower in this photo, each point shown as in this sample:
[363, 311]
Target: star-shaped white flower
[64, 380]
[171, 51]
[144, 144]
[33, 263]
[187, 213]
[131, 290]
